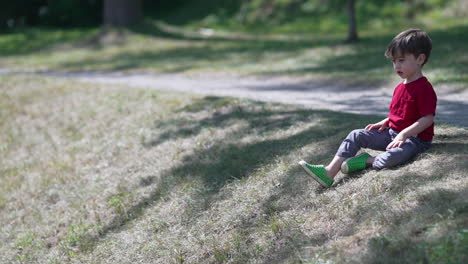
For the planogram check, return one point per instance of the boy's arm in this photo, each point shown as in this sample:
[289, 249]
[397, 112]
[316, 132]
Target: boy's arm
[416, 128]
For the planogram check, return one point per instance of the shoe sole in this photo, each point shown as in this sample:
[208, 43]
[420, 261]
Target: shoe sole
[344, 165]
[315, 177]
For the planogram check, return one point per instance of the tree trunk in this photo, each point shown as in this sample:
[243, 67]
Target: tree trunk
[352, 27]
[122, 12]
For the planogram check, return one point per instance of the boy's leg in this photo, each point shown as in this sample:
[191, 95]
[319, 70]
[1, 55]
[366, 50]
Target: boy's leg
[334, 166]
[357, 139]
[397, 156]
[362, 138]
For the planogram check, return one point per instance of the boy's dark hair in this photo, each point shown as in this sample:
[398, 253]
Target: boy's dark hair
[413, 41]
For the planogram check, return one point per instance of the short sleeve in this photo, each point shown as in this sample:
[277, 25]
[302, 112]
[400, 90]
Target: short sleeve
[427, 100]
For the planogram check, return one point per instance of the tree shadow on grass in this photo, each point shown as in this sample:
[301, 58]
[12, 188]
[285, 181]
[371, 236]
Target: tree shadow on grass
[258, 120]
[194, 49]
[441, 235]
[229, 159]
[232, 159]
[189, 56]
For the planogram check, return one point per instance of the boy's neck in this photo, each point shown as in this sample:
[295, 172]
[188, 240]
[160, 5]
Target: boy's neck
[413, 78]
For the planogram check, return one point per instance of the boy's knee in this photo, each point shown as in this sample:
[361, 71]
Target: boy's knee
[356, 133]
[384, 162]
[391, 159]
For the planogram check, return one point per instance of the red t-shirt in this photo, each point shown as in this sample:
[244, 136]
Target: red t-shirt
[410, 102]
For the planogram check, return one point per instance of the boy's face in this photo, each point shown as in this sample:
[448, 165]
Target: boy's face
[407, 66]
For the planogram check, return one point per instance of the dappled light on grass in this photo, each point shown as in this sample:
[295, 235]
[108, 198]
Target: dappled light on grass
[150, 48]
[113, 174]
[26, 42]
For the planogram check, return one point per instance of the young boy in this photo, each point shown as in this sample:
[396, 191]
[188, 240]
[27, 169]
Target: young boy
[409, 127]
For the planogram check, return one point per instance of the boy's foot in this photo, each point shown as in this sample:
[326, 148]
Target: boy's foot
[355, 163]
[317, 172]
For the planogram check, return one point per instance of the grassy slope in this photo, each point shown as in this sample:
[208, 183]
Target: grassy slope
[110, 174]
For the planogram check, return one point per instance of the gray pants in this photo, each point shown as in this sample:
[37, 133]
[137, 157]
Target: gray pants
[372, 139]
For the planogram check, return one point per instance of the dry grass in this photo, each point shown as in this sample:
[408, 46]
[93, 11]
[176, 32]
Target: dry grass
[98, 174]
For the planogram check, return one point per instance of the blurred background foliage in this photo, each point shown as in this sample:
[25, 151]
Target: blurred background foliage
[53, 13]
[240, 15]
[300, 37]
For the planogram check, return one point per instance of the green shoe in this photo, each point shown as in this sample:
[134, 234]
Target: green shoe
[355, 163]
[317, 172]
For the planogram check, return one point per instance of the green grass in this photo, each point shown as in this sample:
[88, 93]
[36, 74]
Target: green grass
[154, 47]
[95, 173]
[35, 39]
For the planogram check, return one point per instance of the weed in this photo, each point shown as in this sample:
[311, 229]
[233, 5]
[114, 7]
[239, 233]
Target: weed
[72, 132]
[56, 172]
[79, 238]
[27, 247]
[118, 202]
[276, 225]
[12, 178]
[158, 226]
[3, 202]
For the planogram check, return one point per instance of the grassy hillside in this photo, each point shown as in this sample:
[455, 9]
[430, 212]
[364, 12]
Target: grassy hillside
[111, 174]
[108, 174]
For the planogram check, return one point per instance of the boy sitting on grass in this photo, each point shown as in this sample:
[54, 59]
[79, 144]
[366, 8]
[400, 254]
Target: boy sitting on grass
[409, 127]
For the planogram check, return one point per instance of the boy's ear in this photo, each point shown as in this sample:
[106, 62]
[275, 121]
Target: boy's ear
[421, 58]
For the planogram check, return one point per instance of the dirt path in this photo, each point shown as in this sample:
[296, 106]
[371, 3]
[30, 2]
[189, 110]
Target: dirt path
[316, 94]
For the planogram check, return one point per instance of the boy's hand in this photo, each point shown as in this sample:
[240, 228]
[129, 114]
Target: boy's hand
[397, 142]
[417, 127]
[382, 125]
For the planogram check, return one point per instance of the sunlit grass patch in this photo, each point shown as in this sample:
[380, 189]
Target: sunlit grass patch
[149, 48]
[49, 134]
